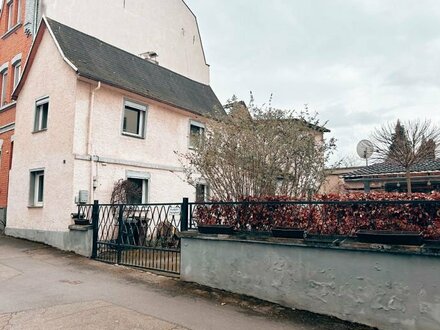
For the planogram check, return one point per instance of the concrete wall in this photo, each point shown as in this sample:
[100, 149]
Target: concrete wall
[389, 291]
[167, 27]
[74, 240]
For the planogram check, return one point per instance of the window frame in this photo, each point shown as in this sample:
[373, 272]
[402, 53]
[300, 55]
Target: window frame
[10, 13]
[142, 118]
[195, 124]
[16, 64]
[34, 187]
[38, 118]
[205, 192]
[3, 86]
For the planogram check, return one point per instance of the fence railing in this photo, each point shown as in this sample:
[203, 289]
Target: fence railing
[322, 217]
[127, 226]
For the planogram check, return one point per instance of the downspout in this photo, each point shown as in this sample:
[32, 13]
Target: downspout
[90, 141]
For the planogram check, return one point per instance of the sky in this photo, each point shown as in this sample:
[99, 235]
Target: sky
[358, 63]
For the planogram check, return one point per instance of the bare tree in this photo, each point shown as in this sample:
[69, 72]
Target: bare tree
[260, 151]
[406, 144]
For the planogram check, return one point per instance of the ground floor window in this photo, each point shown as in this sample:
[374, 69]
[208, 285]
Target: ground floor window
[138, 192]
[36, 192]
[202, 193]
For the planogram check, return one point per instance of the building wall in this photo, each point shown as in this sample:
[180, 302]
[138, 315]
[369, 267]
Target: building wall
[385, 290]
[50, 149]
[167, 132]
[167, 27]
[12, 43]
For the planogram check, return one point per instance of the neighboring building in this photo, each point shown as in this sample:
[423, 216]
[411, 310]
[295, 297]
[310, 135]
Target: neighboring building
[425, 177]
[102, 114]
[14, 48]
[165, 28]
[334, 182]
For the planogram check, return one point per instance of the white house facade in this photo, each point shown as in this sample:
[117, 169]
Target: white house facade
[166, 28]
[89, 114]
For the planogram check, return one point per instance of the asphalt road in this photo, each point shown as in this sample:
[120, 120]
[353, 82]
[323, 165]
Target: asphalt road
[43, 288]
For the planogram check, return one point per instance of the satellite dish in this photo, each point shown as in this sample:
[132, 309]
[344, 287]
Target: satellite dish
[365, 149]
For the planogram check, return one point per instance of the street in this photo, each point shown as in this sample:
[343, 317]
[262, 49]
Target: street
[43, 288]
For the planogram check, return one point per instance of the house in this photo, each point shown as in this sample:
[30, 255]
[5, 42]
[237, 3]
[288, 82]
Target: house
[390, 177]
[164, 32]
[88, 114]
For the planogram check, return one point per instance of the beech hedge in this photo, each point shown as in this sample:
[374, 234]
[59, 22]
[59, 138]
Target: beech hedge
[332, 214]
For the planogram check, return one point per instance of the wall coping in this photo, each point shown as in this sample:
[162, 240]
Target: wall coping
[80, 227]
[349, 244]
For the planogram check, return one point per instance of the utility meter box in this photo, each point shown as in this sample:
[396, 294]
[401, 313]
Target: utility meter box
[83, 197]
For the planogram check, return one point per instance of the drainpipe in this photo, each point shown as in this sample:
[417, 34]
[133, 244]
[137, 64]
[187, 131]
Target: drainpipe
[89, 139]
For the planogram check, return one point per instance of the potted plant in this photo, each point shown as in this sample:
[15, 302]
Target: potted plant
[397, 237]
[80, 219]
[215, 219]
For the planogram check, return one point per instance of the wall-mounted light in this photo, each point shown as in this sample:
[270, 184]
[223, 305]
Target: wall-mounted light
[428, 183]
[398, 184]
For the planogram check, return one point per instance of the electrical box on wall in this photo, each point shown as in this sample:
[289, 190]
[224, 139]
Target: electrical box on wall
[83, 197]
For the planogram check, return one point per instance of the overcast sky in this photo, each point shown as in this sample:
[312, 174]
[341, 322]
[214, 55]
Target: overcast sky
[358, 63]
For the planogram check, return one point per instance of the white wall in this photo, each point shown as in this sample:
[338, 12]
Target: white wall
[167, 131]
[51, 149]
[378, 288]
[167, 27]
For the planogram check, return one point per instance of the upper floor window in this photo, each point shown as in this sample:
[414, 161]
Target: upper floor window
[16, 69]
[41, 113]
[196, 133]
[3, 86]
[10, 13]
[134, 119]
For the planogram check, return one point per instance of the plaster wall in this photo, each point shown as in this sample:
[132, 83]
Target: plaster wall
[167, 27]
[166, 132]
[389, 291]
[50, 149]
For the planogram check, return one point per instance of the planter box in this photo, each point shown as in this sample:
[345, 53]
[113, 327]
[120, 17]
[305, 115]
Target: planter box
[390, 237]
[216, 229]
[288, 232]
[81, 222]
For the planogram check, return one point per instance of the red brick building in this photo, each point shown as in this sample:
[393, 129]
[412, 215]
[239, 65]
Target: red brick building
[15, 44]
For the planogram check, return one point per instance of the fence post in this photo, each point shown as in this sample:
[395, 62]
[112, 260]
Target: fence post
[184, 215]
[119, 240]
[95, 225]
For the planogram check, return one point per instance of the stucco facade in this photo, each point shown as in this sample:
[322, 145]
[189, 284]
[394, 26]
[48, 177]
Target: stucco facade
[83, 147]
[167, 27]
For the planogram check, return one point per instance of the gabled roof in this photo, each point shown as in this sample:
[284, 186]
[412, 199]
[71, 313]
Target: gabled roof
[94, 59]
[382, 169]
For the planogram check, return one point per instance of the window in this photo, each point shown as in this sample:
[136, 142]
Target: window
[138, 191]
[196, 134]
[17, 72]
[3, 82]
[10, 13]
[202, 193]
[134, 119]
[41, 112]
[36, 194]
[18, 20]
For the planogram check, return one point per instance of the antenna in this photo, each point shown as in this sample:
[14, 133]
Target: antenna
[365, 149]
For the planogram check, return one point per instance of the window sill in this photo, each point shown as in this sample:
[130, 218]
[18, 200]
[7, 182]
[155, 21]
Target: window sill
[11, 30]
[133, 136]
[35, 206]
[8, 106]
[39, 131]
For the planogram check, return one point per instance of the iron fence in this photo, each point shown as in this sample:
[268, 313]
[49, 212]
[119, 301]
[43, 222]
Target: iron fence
[322, 217]
[146, 236]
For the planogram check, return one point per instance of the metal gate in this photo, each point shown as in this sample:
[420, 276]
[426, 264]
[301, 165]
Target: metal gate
[145, 236]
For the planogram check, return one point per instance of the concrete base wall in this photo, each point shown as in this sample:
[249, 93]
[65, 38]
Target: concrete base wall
[76, 240]
[385, 290]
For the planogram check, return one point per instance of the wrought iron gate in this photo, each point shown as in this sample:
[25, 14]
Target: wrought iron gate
[145, 236]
